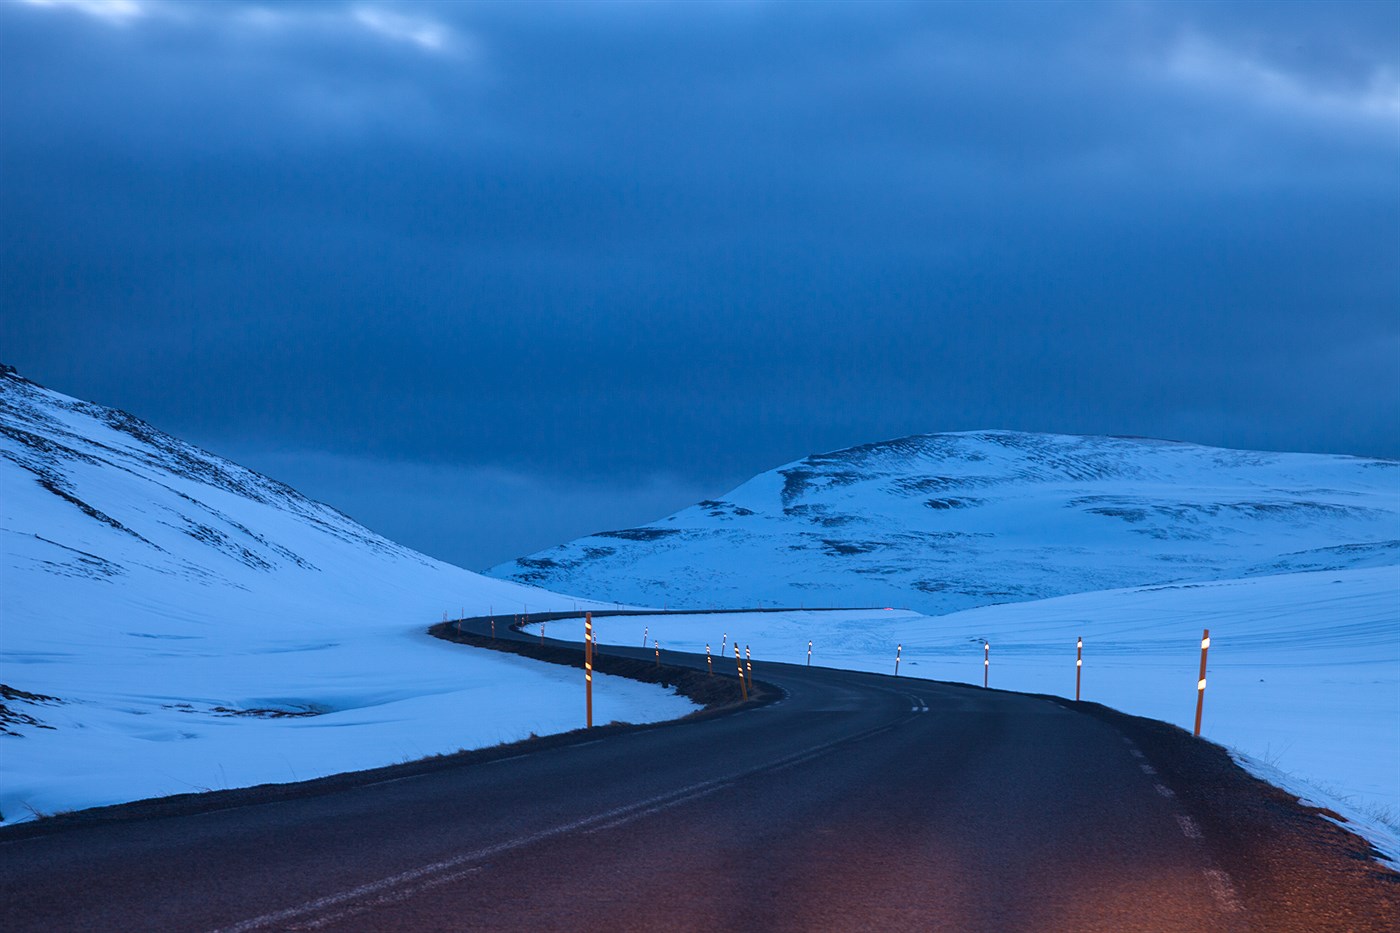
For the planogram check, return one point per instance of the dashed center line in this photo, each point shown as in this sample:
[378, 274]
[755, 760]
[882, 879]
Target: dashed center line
[1223, 890]
[1147, 768]
[1164, 790]
[1188, 827]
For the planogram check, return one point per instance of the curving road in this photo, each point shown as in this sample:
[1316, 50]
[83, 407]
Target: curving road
[851, 802]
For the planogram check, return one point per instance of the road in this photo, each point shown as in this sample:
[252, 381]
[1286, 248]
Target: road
[853, 802]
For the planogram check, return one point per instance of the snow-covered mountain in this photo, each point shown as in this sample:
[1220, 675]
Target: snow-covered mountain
[171, 621]
[945, 522]
[96, 495]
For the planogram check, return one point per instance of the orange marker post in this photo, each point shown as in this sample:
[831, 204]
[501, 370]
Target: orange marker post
[657, 646]
[1078, 665]
[898, 650]
[1201, 680]
[986, 661]
[708, 662]
[743, 684]
[588, 666]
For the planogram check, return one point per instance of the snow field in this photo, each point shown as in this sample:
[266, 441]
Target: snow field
[147, 582]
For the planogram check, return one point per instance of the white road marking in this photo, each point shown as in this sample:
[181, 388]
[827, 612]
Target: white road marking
[383, 900]
[1147, 768]
[1164, 790]
[1135, 753]
[1188, 827]
[1223, 890]
[657, 809]
[407, 777]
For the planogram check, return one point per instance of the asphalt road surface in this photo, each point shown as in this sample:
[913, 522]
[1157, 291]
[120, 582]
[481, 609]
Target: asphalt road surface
[851, 802]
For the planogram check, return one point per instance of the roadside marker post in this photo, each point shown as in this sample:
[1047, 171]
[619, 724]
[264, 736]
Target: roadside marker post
[1078, 665]
[743, 684]
[809, 652]
[542, 625]
[986, 662]
[708, 662]
[657, 646]
[898, 650]
[722, 642]
[748, 659]
[588, 665]
[646, 632]
[1201, 680]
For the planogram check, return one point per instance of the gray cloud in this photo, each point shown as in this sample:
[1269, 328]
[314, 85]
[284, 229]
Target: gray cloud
[697, 241]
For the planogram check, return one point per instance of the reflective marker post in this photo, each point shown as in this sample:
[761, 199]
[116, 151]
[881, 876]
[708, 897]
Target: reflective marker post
[722, 642]
[709, 663]
[588, 664]
[986, 661]
[899, 649]
[1201, 681]
[646, 630]
[1078, 665]
[748, 659]
[657, 646]
[743, 684]
[809, 653]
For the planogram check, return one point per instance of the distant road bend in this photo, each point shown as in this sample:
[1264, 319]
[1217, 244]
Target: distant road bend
[850, 802]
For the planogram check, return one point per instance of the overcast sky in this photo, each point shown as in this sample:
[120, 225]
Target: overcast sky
[489, 277]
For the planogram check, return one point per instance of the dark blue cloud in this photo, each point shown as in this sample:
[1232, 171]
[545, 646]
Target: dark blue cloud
[620, 241]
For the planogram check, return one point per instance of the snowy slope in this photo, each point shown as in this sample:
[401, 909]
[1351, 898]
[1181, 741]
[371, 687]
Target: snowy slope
[203, 626]
[951, 521]
[1304, 675]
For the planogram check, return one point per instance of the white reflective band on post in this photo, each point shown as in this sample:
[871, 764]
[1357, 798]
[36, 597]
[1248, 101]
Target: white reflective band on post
[1205, 642]
[1201, 685]
[1078, 662]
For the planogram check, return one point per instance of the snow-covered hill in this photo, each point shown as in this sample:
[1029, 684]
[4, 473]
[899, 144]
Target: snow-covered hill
[198, 625]
[945, 522]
